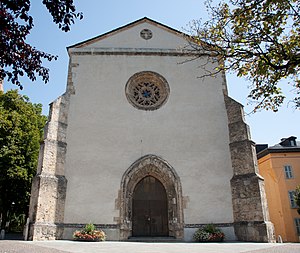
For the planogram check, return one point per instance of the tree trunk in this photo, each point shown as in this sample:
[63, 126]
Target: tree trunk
[4, 218]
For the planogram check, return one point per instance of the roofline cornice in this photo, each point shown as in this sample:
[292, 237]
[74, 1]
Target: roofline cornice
[282, 150]
[135, 51]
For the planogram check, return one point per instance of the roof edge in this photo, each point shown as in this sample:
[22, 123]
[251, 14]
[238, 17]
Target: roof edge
[281, 150]
[88, 41]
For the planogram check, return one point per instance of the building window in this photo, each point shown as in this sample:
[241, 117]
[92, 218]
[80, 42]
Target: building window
[292, 199]
[297, 223]
[288, 171]
[147, 90]
[146, 34]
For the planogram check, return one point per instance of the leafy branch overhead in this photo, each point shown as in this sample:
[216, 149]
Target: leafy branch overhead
[17, 57]
[256, 39]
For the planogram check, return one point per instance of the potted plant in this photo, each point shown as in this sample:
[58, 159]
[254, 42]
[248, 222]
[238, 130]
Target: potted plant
[90, 234]
[209, 233]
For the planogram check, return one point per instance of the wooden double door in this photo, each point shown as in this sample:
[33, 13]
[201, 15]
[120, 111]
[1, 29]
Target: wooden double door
[150, 209]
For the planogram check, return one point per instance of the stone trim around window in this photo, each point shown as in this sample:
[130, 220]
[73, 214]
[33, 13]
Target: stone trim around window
[147, 90]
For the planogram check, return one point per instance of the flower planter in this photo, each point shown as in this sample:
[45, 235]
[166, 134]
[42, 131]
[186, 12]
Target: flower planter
[87, 239]
[209, 233]
[89, 234]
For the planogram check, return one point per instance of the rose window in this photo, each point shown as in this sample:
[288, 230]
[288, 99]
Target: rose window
[147, 90]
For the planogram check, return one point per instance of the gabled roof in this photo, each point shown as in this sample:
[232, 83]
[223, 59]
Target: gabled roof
[125, 27]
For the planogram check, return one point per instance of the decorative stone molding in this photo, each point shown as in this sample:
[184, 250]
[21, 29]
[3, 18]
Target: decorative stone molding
[151, 165]
[219, 225]
[134, 52]
[78, 226]
[250, 211]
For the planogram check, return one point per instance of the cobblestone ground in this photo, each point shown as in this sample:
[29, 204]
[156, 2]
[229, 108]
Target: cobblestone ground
[7, 246]
[289, 248]
[19, 247]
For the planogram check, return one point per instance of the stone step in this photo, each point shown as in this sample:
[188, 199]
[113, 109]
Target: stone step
[153, 239]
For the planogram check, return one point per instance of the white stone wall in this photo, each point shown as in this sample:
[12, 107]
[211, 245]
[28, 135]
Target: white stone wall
[130, 38]
[106, 134]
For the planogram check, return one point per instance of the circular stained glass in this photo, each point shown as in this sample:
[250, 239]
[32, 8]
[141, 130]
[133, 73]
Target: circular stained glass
[147, 90]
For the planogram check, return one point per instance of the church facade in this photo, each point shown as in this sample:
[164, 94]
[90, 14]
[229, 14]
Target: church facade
[142, 147]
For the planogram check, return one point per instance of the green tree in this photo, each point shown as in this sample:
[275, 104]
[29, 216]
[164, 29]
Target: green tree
[17, 57]
[21, 129]
[297, 198]
[258, 40]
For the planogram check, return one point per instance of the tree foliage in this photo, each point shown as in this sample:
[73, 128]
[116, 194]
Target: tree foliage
[256, 39]
[17, 57]
[21, 129]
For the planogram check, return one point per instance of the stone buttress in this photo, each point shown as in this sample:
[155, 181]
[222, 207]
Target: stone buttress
[250, 211]
[48, 193]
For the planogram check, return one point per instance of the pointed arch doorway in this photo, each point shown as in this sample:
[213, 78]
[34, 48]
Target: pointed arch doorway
[167, 182]
[149, 208]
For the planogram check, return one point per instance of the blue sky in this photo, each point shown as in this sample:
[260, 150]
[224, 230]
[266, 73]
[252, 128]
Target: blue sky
[103, 16]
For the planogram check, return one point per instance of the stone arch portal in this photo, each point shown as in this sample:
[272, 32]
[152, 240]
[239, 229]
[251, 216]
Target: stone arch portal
[154, 166]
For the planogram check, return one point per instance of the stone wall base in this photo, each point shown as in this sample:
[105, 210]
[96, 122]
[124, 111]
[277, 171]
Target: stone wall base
[228, 231]
[64, 231]
[47, 206]
[244, 231]
[254, 231]
[45, 231]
